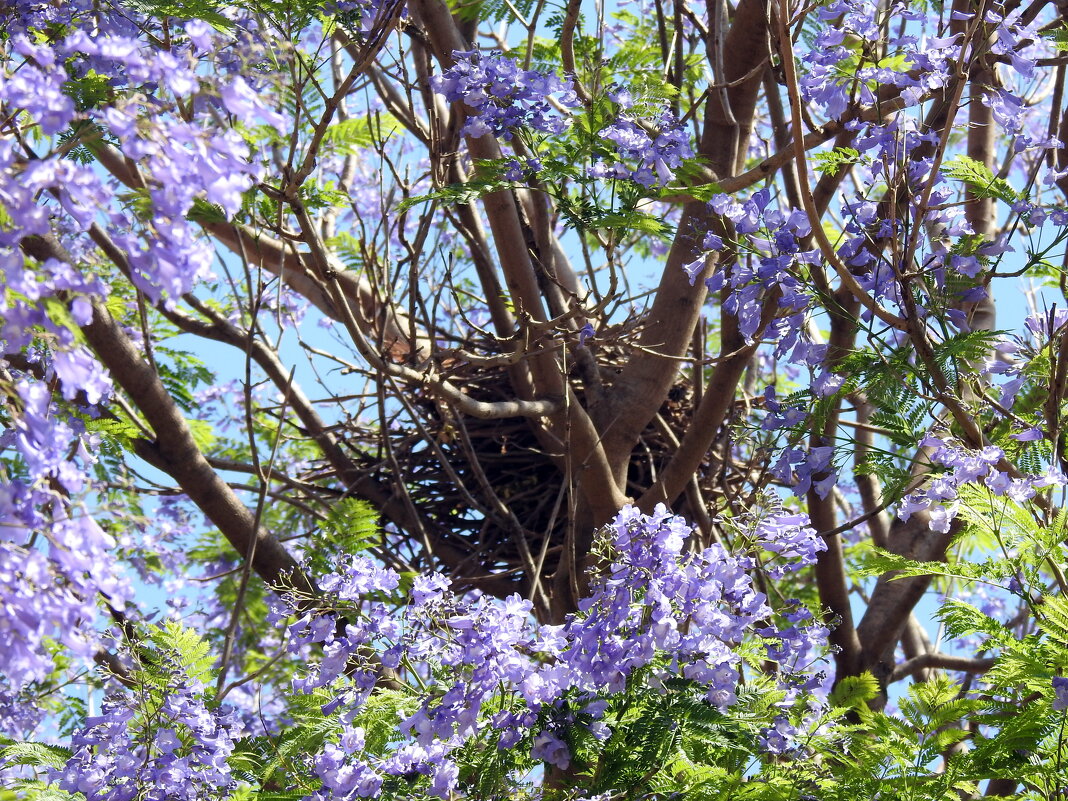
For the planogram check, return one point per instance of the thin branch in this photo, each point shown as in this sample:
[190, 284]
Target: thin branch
[937, 661]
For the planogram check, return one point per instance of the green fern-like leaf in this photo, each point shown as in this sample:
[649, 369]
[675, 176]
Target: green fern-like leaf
[380, 715]
[37, 755]
[852, 692]
[1053, 620]
[119, 431]
[979, 178]
[999, 518]
[192, 653]
[961, 619]
[186, 9]
[354, 521]
[934, 707]
[1057, 37]
[349, 136]
[293, 746]
[832, 161]
[34, 790]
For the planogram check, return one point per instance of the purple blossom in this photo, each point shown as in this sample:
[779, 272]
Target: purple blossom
[552, 750]
[501, 97]
[656, 602]
[780, 737]
[790, 536]
[769, 242]
[962, 466]
[1060, 694]
[248, 106]
[656, 157]
[177, 750]
[38, 87]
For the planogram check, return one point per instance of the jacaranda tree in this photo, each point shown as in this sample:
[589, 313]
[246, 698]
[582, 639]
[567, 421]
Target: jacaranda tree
[511, 399]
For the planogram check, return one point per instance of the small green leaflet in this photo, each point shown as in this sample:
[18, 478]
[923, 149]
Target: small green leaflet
[348, 136]
[980, 178]
[196, 9]
[832, 161]
[1058, 38]
[186, 646]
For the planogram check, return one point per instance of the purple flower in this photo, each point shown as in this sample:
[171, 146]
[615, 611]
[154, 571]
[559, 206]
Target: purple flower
[1060, 693]
[780, 737]
[79, 370]
[655, 157]
[501, 97]
[791, 536]
[1028, 435]
[247, 105]
[552, 750]
[1047, 324]
[182, 751]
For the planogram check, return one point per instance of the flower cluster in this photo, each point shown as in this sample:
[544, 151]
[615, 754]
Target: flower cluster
[804, 470]
[54, 594]
[767, 254]
[1011, 357]
[838, 65]
[20, 714]
[656, 611]
[56, 559]
[179, 752]
[1060, 693]
[655, 599]
[939, 498]
[790, 536]
[501, 97]
[655, 156]
[180, 160]
[348, 640]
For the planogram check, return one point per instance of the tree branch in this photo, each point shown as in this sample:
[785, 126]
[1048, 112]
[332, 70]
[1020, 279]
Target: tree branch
[937, 661]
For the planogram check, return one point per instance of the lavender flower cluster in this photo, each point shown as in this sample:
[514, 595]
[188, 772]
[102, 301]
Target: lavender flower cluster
[501, 97]
[655, 156]
[1013, 355]
[917, 65]
[960, 466]
[49, 595]
[179, 752]
[55, 561]
[771, 237]
[487, 670]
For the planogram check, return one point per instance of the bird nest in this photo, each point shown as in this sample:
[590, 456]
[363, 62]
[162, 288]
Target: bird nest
[491, 500]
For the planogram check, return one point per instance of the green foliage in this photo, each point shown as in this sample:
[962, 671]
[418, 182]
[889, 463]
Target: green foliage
[1057, 37]
[979, 178]
[206, 10]
[831, 161]
[182, 373]
[205, 212]
[352, 522]
[89, 91]
[854, 692]
[351, 135]
[37, 755]
[495, 10]
[116, 432]
[184, 648]
[37, 791]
